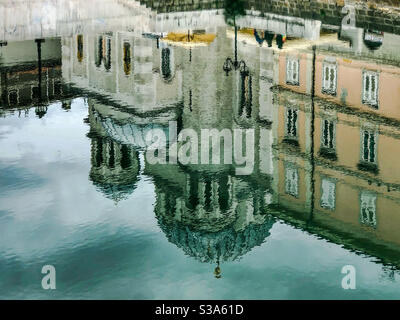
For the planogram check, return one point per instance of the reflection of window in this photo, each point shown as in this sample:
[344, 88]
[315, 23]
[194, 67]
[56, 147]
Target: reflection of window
[57, 87]
[127, 58]
[369, 146]
[107, 48]
[13, 97]
[328, 190]
[79, 41]
[111, 154]
[370, 88]
[291, 180]
[329, 78]
[126, 161]
[245, 94]
[328, 134]
[193, 199]
[35, 94]
[292, 71]
[368, 208]
[291, 123]
[103, 52]
[223, 193]
[166, 63]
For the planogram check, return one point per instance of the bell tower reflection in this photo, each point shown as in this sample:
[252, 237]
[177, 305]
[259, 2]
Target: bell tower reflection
[214, 217]
[114, 166]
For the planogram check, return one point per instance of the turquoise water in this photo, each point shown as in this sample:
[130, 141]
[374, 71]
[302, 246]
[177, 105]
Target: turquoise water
[53, 214]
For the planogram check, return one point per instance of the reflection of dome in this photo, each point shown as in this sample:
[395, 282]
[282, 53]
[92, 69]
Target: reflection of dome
[213, 247]
[212, 218]
[130, 133]
[115, 168]
[373, 40]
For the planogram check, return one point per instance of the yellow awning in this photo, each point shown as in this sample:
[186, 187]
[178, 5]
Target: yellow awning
[205, 38]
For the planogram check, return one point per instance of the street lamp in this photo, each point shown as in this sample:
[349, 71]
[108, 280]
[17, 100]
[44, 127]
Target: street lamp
[229, 65]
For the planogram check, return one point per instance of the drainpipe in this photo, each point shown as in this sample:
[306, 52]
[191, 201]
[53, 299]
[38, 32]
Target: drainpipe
[312, 157]
[39, 50]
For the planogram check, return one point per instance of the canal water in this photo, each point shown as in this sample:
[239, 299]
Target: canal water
[86, 91]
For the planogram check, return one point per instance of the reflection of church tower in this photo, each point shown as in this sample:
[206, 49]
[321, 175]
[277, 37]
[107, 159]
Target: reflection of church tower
[213, 218]
[115, 166]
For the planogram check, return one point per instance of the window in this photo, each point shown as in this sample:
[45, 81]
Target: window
[127, 58]
[103, 52]
[291, 180]
[369, 146]
[328, 139]
[368, 208]
[79, 41]
[291, 123]
[370, 88]
[35, 92]
[292, 71]
[166, 63]
[107, 48]
[328, 134]
[328, 193]
[245, 94]
[99, 51]
[329, 77]
[13, 97]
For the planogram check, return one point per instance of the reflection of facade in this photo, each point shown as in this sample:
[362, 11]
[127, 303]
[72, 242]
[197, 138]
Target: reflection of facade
[325, 163]
[124, 67]
[22, 84]
[343, 187]
[341, 173]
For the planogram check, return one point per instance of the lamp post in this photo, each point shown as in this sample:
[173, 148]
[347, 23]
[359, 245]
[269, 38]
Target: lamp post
[229, 65]
[235, 64]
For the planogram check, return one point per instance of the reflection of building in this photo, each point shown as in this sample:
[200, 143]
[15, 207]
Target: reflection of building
[22, 83]
[115, 166]
[124, 67]
[335, 155]
[212, 217]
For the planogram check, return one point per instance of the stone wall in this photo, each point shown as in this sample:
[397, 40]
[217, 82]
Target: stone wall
[383, 15]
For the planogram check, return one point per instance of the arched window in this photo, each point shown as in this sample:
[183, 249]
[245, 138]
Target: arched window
[127, 58]
[79, 41]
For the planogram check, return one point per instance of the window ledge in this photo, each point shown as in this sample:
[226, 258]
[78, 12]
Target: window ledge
[291, 142]
[368, 166]
[328, 153]
[329, 92]
[293, 83]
